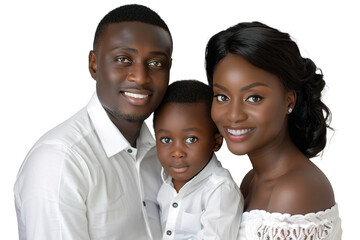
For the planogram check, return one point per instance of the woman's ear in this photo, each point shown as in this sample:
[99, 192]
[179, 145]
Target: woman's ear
[92, 64]
[290, 101]
[218, 142]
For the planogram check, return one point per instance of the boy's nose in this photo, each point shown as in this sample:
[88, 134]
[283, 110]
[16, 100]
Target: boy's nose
[178, 152]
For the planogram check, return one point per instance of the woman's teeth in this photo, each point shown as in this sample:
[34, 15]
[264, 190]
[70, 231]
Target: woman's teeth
[238, 132]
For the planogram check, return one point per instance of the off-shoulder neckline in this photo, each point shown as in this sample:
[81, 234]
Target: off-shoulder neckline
[264, 212]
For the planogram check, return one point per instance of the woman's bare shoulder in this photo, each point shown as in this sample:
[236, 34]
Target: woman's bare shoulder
[301, 191]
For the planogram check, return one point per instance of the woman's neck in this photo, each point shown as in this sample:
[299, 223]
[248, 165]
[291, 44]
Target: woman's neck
[275, 159]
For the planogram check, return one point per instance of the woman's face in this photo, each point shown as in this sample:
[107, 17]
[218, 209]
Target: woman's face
[250, 106]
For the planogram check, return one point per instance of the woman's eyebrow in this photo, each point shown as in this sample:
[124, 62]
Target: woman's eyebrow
[243, 88]
[253, 85]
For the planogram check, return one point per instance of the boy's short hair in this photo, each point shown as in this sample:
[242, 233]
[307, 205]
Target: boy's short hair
[187, 91]
[130, 13]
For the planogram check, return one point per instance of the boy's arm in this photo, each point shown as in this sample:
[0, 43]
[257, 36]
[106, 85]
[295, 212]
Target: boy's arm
[222, 217]
[50, 196]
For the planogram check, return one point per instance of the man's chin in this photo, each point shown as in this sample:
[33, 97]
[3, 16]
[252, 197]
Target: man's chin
[133, 118]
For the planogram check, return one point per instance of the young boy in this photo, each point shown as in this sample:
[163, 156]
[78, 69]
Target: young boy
[198, 198]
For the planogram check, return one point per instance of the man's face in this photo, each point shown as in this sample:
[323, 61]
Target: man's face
[131, 65]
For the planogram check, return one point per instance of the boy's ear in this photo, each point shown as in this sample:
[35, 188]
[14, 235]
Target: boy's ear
[92, 64]
[218, 142]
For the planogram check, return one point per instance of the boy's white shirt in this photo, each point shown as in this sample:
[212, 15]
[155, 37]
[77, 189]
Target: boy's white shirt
[209, 206]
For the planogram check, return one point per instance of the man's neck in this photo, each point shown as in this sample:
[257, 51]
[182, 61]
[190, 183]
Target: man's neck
[130, 130]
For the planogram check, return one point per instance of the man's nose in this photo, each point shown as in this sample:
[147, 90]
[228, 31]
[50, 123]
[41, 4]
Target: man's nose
[138, 73]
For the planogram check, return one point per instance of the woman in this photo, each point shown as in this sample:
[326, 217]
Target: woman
[267, 104]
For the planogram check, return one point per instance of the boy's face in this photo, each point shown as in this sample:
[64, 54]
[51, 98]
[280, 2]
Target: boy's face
[131, 65]
[185, 140]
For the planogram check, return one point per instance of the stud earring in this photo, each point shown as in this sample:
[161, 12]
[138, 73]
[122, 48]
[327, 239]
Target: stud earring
[290, 110]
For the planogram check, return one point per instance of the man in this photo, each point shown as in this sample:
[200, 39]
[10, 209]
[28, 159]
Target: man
[96, 175]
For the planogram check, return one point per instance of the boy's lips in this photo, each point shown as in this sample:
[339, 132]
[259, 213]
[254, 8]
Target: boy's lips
[179, 169]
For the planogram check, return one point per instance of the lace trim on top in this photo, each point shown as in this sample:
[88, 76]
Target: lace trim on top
[277, 226]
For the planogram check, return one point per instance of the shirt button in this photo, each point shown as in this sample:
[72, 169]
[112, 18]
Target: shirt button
[129, 150]
[175, 205]
[168, 232]
[144, 203]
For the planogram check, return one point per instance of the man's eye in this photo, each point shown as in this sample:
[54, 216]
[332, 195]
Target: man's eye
[191, 140]
[155, 64]
[254, 99]
[165, 140]
[123, 60]
[221, 98]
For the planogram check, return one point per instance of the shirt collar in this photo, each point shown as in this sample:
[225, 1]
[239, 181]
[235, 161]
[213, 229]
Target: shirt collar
[208, 170]
[110, 137]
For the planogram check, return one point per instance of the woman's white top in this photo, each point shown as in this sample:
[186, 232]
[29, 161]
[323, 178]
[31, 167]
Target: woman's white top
[259, 225]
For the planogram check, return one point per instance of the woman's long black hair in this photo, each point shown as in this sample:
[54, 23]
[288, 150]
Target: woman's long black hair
[275, 52]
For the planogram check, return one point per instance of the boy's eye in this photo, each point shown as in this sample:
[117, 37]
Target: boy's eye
[191, 140]
[221, 98]
[254, 99]
[165, 140]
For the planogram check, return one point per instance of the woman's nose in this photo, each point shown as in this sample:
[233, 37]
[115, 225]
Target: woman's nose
[236, 112]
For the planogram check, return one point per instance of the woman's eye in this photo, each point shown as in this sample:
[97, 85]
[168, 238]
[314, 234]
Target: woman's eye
[254, 99]
[221, 98]
[191, 140]
[165, 140]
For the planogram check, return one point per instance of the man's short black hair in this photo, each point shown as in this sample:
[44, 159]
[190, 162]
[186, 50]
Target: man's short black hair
[187, 91]
[130, 13]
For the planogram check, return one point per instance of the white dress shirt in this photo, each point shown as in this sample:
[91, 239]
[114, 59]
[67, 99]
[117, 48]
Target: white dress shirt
[83, 180]
[207, 207]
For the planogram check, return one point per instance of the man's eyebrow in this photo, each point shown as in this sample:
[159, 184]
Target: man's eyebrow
[136, 51]
[160, 53]
[126, 48]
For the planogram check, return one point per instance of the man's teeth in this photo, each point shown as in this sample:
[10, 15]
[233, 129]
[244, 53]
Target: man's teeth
[135, 95]
[238, 132]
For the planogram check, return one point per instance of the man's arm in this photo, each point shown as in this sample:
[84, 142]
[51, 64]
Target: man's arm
[50, 194]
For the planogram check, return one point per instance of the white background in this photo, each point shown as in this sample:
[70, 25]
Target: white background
[45, 79]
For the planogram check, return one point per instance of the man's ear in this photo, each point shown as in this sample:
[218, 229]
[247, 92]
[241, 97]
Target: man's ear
[218, 142]
[170, 64]
[92, 64]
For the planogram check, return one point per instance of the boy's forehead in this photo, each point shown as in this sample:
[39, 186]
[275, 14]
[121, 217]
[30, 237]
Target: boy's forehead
[186, 109]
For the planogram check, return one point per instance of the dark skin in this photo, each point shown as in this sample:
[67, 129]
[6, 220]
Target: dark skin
[250, 109]
[185, 143]
[131, 65]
